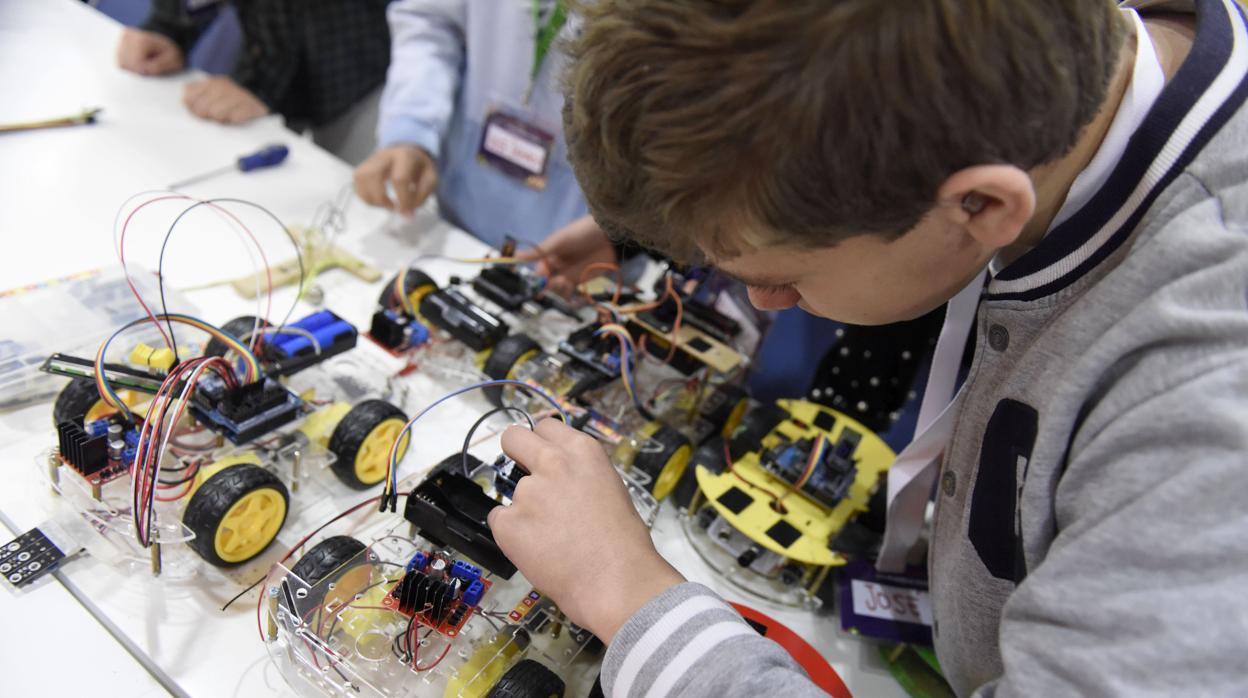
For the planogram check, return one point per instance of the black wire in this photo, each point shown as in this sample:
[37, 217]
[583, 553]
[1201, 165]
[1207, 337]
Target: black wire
[160, 275]
[472, 430]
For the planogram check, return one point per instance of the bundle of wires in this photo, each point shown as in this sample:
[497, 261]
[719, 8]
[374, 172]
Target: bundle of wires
[816, 456]
[119, 234]
[155, 434]
[156, 431]
[627, 359]
[389, 494]
[250, 365]
[817, 451]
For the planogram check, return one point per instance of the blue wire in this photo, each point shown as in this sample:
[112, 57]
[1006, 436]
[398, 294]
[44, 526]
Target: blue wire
[407, 428]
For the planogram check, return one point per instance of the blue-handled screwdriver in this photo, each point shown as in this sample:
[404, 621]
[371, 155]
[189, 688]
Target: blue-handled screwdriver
[265, 157]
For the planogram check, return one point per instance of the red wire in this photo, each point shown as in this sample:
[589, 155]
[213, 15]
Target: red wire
[121, 254]
[733, 470]
[435, 662]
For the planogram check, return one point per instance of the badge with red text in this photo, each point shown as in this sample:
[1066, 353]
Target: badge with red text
[516, 147]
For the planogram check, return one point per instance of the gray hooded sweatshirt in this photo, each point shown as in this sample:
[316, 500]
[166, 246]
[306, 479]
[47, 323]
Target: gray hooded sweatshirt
[1091, 525]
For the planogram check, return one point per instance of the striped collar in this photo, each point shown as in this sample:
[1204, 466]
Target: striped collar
[1202, 96]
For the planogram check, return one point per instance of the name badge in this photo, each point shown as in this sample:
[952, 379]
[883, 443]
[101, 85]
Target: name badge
[516, 147]
[888, 607]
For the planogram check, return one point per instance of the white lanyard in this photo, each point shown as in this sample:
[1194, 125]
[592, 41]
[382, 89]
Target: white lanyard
[911, 477]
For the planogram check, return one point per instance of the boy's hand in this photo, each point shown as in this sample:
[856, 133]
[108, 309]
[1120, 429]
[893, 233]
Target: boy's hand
[566, 254]
[409, 170]
[223, 100]
[148, 53]
[572, 529]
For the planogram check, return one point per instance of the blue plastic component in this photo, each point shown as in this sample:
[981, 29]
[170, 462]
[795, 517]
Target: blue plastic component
[417, 562]
[131, 437]
[465, 571]
[127, 456]
[474, 592]
[325, 336]
[98, 428]
[419, 334]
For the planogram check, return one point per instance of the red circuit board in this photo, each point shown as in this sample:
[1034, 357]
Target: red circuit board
[100, 477]
[455, 617]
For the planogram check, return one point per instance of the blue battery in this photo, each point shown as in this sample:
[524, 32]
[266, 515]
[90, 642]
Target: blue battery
[325, 336]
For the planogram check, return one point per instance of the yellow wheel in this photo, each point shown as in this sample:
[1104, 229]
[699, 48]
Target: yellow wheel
[236, 514]
[416, 283]
[510, 352]
[361, 443]
[725, 407]
[666, 464]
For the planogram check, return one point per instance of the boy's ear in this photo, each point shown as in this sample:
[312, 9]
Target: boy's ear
[991, 202]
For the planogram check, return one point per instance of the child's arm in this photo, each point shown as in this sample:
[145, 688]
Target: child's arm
[427, 52]
[573, 532]
[1144, 591]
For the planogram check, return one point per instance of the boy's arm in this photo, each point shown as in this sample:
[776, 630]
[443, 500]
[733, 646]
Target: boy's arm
[426, 59]
[688, 641]
[572, 531]
[1143, 591]
[169, 18]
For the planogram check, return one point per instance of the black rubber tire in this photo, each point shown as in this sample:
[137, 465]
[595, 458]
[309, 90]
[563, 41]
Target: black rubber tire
[502, 359]
[709, 455]
[323, 558]
[757, 424]
[651, 462]
[238, 327]
[454, 463]
[319, 563]
[214, 498]
[528, 679]
[349, 436]
[75, 400]
[413, 279]
[730, 397]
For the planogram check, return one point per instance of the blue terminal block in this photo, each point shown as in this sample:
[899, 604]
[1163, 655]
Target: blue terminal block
[128, 455]
[98, 428]
[465, 571]
[131, 437]
[418, 562]
[472, 595]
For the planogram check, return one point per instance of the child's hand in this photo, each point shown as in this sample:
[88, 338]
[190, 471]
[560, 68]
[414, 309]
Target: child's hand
[148, 53]
[410, 171]
[223, 100]
[567, 253]
[572, 530]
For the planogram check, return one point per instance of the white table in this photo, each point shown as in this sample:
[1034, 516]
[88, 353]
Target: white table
[59, 192]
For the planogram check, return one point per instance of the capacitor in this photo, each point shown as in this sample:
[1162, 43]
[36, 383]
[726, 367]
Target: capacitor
[438, 565]
[115, 448]
[114, 432]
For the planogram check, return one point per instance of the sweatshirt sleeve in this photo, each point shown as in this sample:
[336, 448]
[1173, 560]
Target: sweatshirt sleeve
[427, 56]
[1142, 591]
[688, 641]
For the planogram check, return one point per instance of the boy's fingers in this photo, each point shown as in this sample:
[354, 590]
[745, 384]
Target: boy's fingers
[554, 430]
[528, 449]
